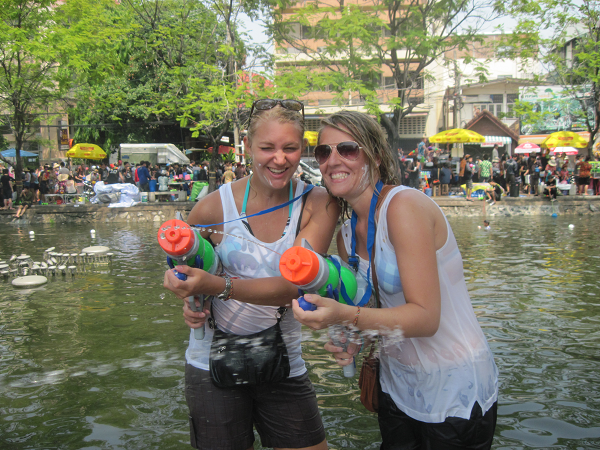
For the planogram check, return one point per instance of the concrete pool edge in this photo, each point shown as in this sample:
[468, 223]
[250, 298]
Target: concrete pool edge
[160, 212]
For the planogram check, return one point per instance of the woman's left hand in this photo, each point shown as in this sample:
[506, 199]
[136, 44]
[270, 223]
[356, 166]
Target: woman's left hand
[328, 312]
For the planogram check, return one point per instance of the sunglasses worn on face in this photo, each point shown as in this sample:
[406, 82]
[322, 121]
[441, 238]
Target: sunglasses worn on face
[268, 103]
[349, 150]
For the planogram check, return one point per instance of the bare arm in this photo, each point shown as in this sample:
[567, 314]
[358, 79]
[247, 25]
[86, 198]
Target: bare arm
[417, 229]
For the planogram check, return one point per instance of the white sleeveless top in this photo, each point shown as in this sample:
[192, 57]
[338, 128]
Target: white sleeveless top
[241, 258]
[432, 378]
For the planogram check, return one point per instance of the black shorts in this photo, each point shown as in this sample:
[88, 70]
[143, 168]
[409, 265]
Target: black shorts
[401, 432]
[285, 414]
[584, 181]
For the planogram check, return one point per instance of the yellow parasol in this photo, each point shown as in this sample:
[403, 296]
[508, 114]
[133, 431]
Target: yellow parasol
[311, 137]
[456, 136]
[86, 151]
[564, 139]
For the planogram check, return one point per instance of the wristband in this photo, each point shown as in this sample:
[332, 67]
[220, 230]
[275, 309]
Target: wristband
[356, 316]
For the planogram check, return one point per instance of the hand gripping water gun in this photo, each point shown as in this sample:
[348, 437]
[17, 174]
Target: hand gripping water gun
[326, 276]
[184, 245]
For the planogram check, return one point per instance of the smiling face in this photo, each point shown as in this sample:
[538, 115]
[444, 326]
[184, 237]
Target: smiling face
[276, 148]
[343, 178]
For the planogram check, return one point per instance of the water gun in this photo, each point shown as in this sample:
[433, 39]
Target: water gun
[323, 275]
[184, 245]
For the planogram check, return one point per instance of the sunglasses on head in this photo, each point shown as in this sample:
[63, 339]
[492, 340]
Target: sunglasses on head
[349, 150]
[268, 103]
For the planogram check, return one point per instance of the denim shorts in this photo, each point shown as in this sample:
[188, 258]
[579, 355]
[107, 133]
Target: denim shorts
[285, 414]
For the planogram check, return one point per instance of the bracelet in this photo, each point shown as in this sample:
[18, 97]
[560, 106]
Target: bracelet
[226, 294]
[356, 316]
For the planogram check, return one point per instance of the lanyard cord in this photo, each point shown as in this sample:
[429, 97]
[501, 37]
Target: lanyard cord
[260, 213]
[245, 203]
[353, 259]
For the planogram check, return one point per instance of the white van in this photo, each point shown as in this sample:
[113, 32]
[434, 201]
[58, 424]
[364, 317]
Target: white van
[154, 153]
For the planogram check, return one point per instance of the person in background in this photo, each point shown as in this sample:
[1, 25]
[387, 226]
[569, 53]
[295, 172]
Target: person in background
[414, 175]
[564, 173]
[113, 175]
[550, 190]
[240, 171]
[144, 176]
[126, 176]
[7, 192]
[446, 175]
[136, 178]
[438, 378]
[485, 169]
[585, 171]
[228, 175]
[493, 192]
[25, 201]
[468, 177]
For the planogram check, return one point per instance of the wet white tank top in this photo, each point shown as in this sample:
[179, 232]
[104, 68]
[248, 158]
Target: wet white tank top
[432, 378]
[241, 258]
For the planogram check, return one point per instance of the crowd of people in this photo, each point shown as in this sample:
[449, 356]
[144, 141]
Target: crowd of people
[527, 171]
[58, 178]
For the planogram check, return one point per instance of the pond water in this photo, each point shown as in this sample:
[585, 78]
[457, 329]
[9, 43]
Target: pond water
[96, 361]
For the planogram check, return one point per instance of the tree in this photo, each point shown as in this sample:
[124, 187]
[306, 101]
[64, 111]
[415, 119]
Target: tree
[567, 35]
[347, 46]
[45, 46]
[166, 42]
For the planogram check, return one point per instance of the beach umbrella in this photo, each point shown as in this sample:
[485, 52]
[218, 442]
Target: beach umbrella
[456, 136]
[86, 151]
[564, 139]
[527, 148]
[565, 150]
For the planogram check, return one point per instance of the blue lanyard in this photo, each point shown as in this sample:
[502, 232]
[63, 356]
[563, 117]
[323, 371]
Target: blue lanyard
[353, 259]
[260, 213]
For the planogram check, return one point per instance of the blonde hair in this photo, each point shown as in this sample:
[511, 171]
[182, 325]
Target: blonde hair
[279, 114]
[383, 165]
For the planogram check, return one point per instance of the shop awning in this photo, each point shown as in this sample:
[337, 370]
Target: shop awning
[490, 141]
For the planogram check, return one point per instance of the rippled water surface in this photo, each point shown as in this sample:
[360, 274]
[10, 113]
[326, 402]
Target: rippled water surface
[96, 362]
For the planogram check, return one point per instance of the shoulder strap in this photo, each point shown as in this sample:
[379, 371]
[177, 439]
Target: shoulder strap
[384, 192]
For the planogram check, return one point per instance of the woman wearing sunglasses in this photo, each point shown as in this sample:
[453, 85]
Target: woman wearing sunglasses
[439, 384]
[284, 413]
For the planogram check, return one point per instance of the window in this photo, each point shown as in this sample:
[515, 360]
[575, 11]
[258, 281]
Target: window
[389, 83]
[312, 124]
[511, 98]
[412, 125]
[497, 98]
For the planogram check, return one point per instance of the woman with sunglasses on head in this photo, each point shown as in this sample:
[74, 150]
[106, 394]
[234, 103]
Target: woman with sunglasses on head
[439, 384]
[251, 289]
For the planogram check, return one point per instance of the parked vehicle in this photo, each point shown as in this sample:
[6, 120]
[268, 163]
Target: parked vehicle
[311, 175]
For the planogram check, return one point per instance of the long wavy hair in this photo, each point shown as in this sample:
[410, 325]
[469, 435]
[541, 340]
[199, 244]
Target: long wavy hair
[383, 164]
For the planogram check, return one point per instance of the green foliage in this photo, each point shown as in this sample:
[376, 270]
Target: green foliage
[357, 43]
[565, 34]
[46, 49]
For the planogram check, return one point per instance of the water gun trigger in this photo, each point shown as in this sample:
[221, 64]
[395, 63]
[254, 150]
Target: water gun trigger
[181, 276]
[332, 293]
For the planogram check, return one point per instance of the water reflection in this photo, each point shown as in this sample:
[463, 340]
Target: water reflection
[96, 361]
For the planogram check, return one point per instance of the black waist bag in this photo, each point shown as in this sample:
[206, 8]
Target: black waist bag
[249, 360]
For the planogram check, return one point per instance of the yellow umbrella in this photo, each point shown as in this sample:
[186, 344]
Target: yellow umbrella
[86, 151]
[456, 136]
[311, 137]
[564, 139]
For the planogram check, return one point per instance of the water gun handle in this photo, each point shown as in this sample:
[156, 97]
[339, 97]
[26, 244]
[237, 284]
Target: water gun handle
[199, 263]
[334, 334]
[198, 332]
